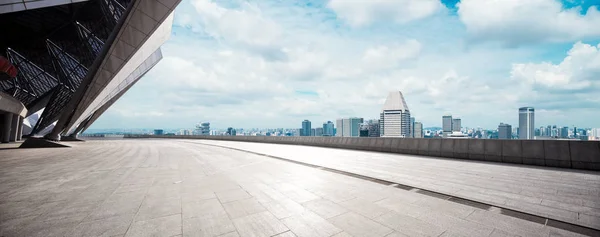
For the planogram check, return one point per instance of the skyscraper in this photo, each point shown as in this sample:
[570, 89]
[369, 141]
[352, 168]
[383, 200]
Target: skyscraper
[351, 127]
[504, 131]
[305, 131]
[526, 123]
[395, 117]
[446, 124]
[328, 129]
[373, 128]
[364, 130]
[564, 132]
[456, 125]
[318, 132]
[339, 124]
[418, 130]
[412, 127]
[203, 128]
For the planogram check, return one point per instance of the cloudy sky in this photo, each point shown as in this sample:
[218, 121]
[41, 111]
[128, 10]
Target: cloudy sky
[275, 63]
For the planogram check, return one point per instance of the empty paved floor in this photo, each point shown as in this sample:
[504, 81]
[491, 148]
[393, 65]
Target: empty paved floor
[568, 195]
[178, 188]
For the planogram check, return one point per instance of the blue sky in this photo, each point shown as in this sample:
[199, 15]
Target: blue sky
[275, 63]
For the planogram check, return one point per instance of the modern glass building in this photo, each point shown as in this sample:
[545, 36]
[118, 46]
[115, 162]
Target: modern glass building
[526, 123]
[74, 59]
[504, 131]
[306, 128]
[328, 129]
[447, 124]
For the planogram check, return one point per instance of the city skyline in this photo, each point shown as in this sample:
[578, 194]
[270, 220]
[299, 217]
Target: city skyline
[317, 61]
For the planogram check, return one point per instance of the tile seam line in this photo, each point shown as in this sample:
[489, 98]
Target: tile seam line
[374, 180]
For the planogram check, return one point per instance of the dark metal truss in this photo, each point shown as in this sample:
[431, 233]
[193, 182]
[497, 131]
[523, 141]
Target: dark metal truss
[59, 72]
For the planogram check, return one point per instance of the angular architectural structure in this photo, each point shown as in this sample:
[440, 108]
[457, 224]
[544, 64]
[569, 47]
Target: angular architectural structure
[395, 117]
[74, 59]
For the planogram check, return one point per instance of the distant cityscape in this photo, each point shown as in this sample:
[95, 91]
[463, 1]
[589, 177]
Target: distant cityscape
[395, 120]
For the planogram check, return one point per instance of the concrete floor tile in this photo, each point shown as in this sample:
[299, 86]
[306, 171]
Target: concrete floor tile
[364, 207]
[262, 224]
[342, 234]
[325, 208]
[163, 226]
[158, 207]
[232, 195]
[106, 227]
[283, 208]
[244, 207]
[308, 224]
[200, 208]
[208, 226]
[286, 234]
[358, 225]
[109, 179]
[114, 209]
[507, 224]
[409, 225]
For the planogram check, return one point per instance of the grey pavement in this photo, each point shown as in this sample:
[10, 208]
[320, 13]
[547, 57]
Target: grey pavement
[563, 194]
[150, 187]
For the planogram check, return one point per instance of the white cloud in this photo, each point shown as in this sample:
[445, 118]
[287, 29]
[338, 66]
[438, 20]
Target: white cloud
[360, 13]
[516, 22]
[571, 84]
[390, 56]
[244, 27]
[579, 70]
[346, 72]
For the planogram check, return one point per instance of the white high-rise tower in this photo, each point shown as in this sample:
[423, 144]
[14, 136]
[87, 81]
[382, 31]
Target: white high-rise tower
[395, 117]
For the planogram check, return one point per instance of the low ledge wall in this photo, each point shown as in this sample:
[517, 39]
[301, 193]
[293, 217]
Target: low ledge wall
[583, 155]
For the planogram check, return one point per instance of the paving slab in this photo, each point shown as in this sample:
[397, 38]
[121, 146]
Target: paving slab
[170, 187]
[512, 186]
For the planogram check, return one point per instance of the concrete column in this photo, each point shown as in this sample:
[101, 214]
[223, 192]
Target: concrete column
[14, 128]
[6, 127]
[20, 129]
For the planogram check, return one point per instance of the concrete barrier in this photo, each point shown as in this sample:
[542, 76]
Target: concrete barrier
[552, 153]
[395, 147]
[557, 154]
[533, 152]
[412, 146]
[435, 147]
[423, 146]
[476, 149]
[387, 144]
[585, 155]
[493, 150]
[461, 148]
[512, 151]
[447, 147]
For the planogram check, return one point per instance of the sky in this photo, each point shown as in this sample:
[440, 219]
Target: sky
[271, 64]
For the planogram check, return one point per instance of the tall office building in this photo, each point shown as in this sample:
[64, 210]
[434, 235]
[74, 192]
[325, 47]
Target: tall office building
[395, 117]
[504, 131]
[412, 127]
[351, 127]
[418, 130]
[456, 125]
[446, 125]
[564, 132]
[339, 124]
[526, 123]
[373, 128]
[328, 129]
[318, 132]
[364, 130]
[203, 129]
[305, 131]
